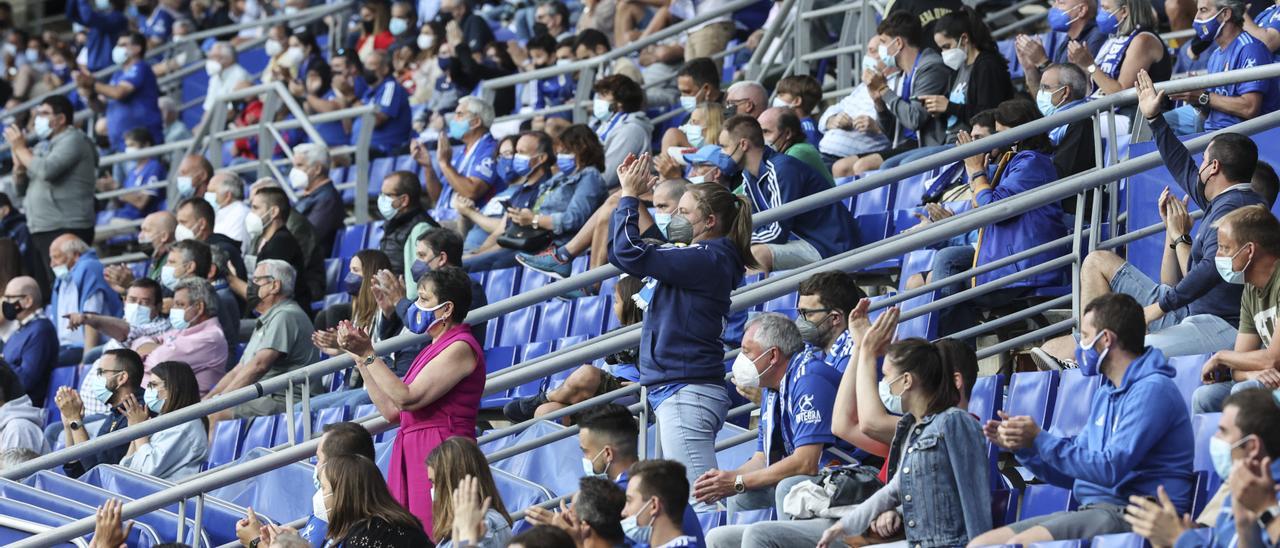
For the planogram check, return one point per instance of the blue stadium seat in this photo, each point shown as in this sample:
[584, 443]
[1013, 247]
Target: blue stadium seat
[282, 495]
[1004, 506]
[405, 162]
[333, 275]
[378, 170]
[581, 263]
[282, 429]
[589, 315]
[1122, 540]
[607, 286]
[364, 410]
[59, 377]
[926, 326]
[58, 506]
[872, 214]
[1188, 374]
[39, 514]
[1202, 494]
[543, 465]
[164, 523]
[1205, 425]
[376, 229]
[557, 316]
[331, 299]
[1042, 499]
[226, 442]
[501, 284]
[219, 517]
[260, 433]
[498, 358]
[1059, 544]
[338, 175]
[327, 416]
[517, 492]
[349, 241]
[537, 349]
[987, 396]
[920, 260]
[518, 327]
[1032, 393]
[785, 304]
[530, 281]
[1071, 413]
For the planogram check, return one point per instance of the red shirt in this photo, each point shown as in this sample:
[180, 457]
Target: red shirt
[382, 41]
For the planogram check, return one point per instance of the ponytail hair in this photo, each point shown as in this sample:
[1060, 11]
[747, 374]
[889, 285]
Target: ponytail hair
[732, 213]
[925, 363]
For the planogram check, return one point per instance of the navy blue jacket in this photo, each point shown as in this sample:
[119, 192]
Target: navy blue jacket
[1202, 290]
[104, 28]
[829, 229]
[32, 353]
[680, 340]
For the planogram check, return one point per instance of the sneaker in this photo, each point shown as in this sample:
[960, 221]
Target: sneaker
[522, 409]
[1048, 362]
[547, 263]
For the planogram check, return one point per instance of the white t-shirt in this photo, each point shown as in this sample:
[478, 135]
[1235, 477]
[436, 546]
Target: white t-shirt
[225, 82]
[229, 221]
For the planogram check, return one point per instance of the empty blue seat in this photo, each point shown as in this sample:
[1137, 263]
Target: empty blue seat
[1043, 499]
[530, 281]
[589, 315]
[333, 276]
[517, 327]
[557, 316]
[501, 284]
[1188, 376]
[498, 358]
[282, 429]
[363, 411]
[537, 349]
[282, 495]
[915, 262]
[338, 175]
[59, 377]
[378, 170]
[1122, 540]
[40, 514]
[581, 263]
[376, 229]
[1071, 413]
[1004, 506]
[350, 240]
[1205, 425]
[988, 393]
[261, 432]
[909, 190]
[925, 326]
[544, 465]
[785, 304]
[607, 286]
[518, 492]
[219, 517]
[226, 442]
[1032, 394]
[871, 213]
[164, 523]
[1059, 544]
[405, 162]
[327, 416]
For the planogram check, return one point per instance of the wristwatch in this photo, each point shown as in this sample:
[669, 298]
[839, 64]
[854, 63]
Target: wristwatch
[74, 425]
[368, 360]
[1042, 66]
[1183, 239]
[975, 175]
[738, 485]
[1267, 516]
[1091, 69]
[1203, 99]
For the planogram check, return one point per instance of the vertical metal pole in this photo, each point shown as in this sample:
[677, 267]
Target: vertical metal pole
[266, 141]
[644, 423]
[182, 521]
[289, 412]
[1095, 217]
[306, 408]
[1114, 206]
[218, 122]
[586, 81]
[802, 37]
[362, 168]
[199, 521]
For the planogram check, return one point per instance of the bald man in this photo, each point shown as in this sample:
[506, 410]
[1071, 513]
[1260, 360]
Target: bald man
[783, 133]
[747, 97]
[193, 177]
[78, 286]
[32, 350]
[158, 230]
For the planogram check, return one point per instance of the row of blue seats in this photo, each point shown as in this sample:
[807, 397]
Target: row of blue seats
[235, 438]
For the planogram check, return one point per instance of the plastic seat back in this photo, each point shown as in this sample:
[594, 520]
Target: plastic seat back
[282, 429]
[376, 229]
[226, 442]
[164, 522]
[1205, 426]
[363, 410]
[871, 213]
[501, 284]
[518, 492]
[1188, 376]
[785, 304]
[1042, 499]
[1032, 393]
[517, 327]
[543, 465]
[350, 240]
[915, 262]
[261, 432]
[499, 358]
[219, 517]
[925, 326]
[589, 315]
[333, 275]
[378, 170]
[988, 393]
[1121, 540]
[327, 416]
[1071, 413]
[59, 377]
[557, 316]
[25, 513]
[283, 494]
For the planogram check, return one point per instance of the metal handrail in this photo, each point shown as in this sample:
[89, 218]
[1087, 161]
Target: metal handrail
[889, 176]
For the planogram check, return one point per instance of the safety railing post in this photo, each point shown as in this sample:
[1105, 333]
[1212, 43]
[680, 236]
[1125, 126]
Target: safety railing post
[644, 423]
[803, 38]
[362, 168]
[216, 121]
[198, 523]
[586, 80]
[289, 413]
[266, 142]
[306, 408]
[182, 521]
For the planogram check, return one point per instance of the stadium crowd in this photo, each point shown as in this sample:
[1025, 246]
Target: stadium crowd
[863, 437]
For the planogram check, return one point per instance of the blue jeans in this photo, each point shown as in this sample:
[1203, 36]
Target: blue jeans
[1178, 332]
[687, 424]
[1209, 398]
[490, 260]
[350, 398]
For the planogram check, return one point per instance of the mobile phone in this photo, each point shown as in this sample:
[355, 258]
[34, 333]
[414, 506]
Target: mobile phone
[505, 203]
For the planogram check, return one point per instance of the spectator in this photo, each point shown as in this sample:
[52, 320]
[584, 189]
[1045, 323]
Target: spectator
[403, 24]
[698, 82]
[175, 453]
[193, 177]
[282, 62]
[119, 378]
[174, 128]
[1265, 26]
[587, 380]
[681, 354]
[593, 514]
[11, 458]
[1249, 481]
[373, 34]
[158, 232]
[1123, 451]
[400, 204]
[138, 173]
[927, 11]
[922, 74]
[460, 478]
[622, 124]
[554, 15]
[13, 225]
[319, 201]
[1063, 87]
[703, 127]
[982, 78]
[955, 477]
[1264, 182]
[143, 318]
[534, 163]
[1193, 309]
[311, 281]
[802, 94]
[542, 536]
[225, 74]
[196, 337]
[658, 494]
[79, 287]
[563, 203]
[364, 312]
[104, 25]
[435, 249]
[132, 94]
[266, 222]
[280, 343]
[747, 97]
[361, 511]
[1250, 363]
[467, 68]
[798, 391]
[830, 298]
[1077, 20]
[393, 121]
[339, 438]
[783, 133]
[226, 195]
[20, 421]
[773, 179]
[439, 396]
[1131, 47]
[57, 179]
[321, 83]
[196, 222]
[468, 171]
[1222, 23]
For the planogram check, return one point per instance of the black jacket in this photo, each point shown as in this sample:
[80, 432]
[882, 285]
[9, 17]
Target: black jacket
[989, 85]
[395, 234]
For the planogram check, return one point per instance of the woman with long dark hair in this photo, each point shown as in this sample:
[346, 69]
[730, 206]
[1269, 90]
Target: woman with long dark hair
[360, 509]
[177, 452]
[686, 304]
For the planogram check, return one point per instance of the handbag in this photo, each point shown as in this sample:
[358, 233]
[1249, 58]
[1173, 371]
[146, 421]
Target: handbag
[524, 238]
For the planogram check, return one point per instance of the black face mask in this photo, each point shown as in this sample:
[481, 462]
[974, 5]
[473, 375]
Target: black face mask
[10, 310]
[367, 26]
[251, 297]
[371, 77]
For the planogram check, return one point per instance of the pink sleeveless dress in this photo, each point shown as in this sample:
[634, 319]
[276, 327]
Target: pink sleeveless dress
[454, 414]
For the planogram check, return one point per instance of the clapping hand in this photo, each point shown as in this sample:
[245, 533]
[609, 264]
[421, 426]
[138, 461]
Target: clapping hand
[354, 341]
[975, 163]
[1017, 432]
[633, 173]
[1157, 522]
[469, 510]
[326, 340]
[108, 532]
[1030, 51]
[667, 166]
[13, 135]
[1079, 54]
[1177, 219]
[134, 410]
[858, 319]
[935, 104]
[877, 338]
[248, 528]
[388, 289]
[69, 403]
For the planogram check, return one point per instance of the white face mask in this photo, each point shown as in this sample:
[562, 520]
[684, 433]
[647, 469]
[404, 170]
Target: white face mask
[212, 68]
[298, 178]
[891, 401]
[744, 370]
[253, 224]
[42, 128]
[955, 57]
[778, 102]
[137, 314]
[273, 48]
[589, 466]
[318, 508]
[426, 41]
[119, 55]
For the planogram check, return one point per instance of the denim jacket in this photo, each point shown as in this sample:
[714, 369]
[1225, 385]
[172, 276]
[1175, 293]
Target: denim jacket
[570, 200]
[941, 482]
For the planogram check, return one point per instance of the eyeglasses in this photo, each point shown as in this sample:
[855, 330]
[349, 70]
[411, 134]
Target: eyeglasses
[807, 311]
[258, 279]
[105, 372]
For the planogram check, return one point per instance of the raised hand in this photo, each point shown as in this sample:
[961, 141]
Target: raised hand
[108, 532]
[1150, 101]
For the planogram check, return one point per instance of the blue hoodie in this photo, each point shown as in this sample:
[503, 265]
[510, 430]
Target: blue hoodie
[1138, 437]
[680, 340]
[830, 229]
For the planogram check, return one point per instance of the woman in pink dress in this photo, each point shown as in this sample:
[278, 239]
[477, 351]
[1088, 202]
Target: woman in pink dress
[439, 396]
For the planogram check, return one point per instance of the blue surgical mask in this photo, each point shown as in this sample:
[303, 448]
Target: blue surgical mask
[421, 319]
[725, 163]
[589, 466]
[458, 128]
[891, 401]
[1044, 101]
[136, 314]
[352, 283]
[601, 109]
[1088, 357]
[96, 386]
[631, 528]
[662, 220]
[61, 271]
[386, 206]
[504, 168]
[1059, 20]
[168, 277]
[151, 397]
[567, 163]
[419, 269]
[185, 187]
[688, 102]
[212, 198]
[521, 165]
[398, 25]
[1107, 22]
[178, 318]
[1208, 29]
[693, 133]
[1229, 273]
[1220, 454]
